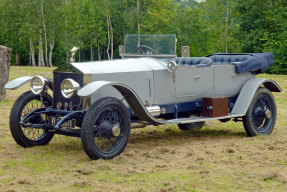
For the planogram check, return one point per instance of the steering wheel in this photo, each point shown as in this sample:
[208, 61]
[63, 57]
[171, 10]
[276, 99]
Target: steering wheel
[148, 51]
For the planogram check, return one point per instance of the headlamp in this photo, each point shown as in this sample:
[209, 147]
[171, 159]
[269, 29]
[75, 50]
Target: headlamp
[38, 85]
[69, 88]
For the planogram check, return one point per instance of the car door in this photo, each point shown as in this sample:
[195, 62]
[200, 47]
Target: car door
[185, 81]
[227, 82]
[194, 81]
[204, 81]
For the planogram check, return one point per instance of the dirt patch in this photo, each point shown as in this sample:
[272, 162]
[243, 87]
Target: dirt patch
[84, 171]
[81, 183]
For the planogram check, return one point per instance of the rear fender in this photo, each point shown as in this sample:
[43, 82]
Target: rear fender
[248, 91]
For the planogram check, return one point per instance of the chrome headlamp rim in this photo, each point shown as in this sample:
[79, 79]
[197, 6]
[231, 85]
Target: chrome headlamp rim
[40, 88]
[69, 92]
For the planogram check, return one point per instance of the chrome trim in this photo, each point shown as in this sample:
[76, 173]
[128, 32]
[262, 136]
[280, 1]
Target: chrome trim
[200, 119]
[87, 100]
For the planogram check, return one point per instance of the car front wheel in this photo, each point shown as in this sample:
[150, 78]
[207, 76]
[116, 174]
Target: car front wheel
[105, 129]
[261, 116]
[29, 136]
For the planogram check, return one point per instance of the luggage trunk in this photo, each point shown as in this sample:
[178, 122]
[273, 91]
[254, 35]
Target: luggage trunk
[214, 106]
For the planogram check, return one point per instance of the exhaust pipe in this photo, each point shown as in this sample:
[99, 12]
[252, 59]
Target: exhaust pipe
[154, 110]
[138, 125]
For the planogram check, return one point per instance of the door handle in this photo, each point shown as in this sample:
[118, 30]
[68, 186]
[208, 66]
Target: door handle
[197, 77]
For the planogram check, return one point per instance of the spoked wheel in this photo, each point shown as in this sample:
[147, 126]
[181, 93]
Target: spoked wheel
[105, 129]
[261, 116]
[29, 136]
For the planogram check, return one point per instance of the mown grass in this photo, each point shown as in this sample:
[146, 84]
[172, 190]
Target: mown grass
[217, 158]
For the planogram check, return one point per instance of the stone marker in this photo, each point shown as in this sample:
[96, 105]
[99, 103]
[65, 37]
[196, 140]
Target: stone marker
[5, 58]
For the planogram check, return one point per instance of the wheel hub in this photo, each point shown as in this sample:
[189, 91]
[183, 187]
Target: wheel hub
[110, 129]
[116, 131]
[268, 114]
[106, 129]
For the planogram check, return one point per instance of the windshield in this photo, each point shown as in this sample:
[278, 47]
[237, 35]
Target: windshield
[150, 45]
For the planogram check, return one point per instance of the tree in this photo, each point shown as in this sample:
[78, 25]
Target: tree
[253, 24]
[159, 16]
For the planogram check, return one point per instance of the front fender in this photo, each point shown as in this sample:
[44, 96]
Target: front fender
[16, 83]
[128, 93]
[248, 91]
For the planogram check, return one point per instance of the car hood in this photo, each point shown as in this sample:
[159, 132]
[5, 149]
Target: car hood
[120, 66]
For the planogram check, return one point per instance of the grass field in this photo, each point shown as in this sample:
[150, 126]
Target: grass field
[217, 158]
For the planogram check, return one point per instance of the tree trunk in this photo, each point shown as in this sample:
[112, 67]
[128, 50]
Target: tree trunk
[99, 49]
[66, 37]
[18, 59]
[109, 39]
[92, 51]
[40, 56]
[5, 58]
[32, 53]
[45, 33]
[30, 58]
[66, 42]
[138, 20]
[226, 27]
[52, 44]
[112, 39]
[79, 55]
[80, 45]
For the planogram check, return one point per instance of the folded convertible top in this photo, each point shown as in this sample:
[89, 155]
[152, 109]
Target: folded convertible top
[257, 61]
[254, 62]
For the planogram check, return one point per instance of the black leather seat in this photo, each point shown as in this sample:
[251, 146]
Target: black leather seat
[192, 61]
[227, 59]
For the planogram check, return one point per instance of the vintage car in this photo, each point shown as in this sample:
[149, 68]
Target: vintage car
[101, 101]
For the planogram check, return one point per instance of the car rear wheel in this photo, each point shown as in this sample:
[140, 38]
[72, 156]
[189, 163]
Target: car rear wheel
[105, 129]
[191, 126]
[261, 116]
[29, 136]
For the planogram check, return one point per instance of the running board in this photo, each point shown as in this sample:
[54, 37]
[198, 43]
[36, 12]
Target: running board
[199, 119]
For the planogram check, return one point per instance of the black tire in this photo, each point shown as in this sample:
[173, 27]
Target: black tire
[258, 120]
[224, 120]
[97, 137]
[28, 136]
[191, 126]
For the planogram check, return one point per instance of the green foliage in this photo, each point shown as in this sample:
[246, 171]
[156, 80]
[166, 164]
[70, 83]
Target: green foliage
[207, 27]
[159, 17]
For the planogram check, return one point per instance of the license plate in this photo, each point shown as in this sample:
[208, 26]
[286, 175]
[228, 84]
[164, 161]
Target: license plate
[71, 123]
